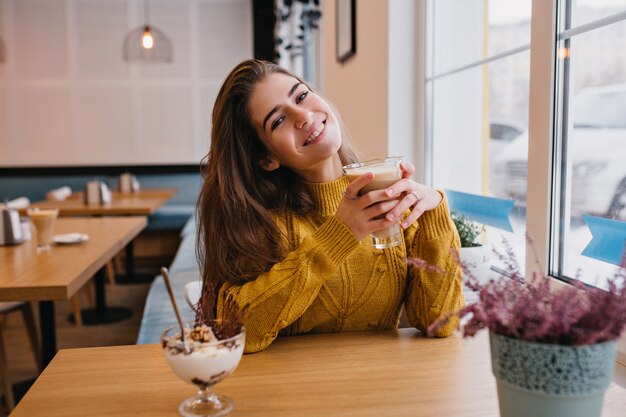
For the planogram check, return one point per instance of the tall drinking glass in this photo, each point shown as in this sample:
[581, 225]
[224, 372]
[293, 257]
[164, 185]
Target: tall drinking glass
[386, 172]
[43, 220]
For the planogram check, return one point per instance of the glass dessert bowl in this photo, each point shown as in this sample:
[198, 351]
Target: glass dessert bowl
[207, 362]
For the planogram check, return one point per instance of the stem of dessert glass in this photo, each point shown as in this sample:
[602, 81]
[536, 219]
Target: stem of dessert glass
[208, 394]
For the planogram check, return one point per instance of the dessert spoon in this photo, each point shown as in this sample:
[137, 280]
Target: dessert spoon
[183, 337]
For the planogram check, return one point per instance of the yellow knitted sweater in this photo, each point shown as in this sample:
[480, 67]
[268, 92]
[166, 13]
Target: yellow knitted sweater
[333, 283]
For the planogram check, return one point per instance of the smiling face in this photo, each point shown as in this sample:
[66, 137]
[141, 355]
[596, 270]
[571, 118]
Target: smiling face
[298, 128]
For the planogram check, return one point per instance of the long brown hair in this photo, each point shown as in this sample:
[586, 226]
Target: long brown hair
[238, 237]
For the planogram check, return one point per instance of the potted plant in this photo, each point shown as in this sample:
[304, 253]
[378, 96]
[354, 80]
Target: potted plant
[474, 255]
[552, 351]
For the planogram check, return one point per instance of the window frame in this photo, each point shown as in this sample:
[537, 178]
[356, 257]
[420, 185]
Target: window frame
[543, 153]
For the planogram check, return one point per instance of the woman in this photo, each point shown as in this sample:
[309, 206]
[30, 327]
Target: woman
[283, 232]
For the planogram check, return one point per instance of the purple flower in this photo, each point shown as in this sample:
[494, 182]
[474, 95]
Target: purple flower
[575, 315]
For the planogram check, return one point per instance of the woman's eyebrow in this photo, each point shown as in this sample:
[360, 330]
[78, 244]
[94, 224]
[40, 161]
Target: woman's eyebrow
[293, 89]
[275, 109]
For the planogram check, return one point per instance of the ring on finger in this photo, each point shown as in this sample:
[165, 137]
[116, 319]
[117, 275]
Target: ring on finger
[350, 197]
[417, 196]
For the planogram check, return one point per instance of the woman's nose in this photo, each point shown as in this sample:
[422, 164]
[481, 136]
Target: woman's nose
[302, 118]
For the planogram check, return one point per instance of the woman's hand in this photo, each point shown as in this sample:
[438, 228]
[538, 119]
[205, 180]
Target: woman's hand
[411, 194]
[358, 212]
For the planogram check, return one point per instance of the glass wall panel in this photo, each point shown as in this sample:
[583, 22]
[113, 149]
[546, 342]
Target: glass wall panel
[585, 11]
[477, 99]
[592, 128]
[467, 31]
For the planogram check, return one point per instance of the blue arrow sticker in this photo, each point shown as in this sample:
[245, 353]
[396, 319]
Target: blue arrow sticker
[608, 239]
[487, 210]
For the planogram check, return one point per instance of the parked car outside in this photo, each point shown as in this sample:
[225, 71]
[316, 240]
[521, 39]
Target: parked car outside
[597, 151]
[501, 133]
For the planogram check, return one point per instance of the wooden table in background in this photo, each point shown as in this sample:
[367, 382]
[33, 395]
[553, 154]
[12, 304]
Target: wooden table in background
[392, 373]
[151, 192]
[58, 274]
[144, 192]
[144, 203]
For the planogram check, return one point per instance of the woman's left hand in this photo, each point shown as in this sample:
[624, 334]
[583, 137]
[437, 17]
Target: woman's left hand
[411, 194]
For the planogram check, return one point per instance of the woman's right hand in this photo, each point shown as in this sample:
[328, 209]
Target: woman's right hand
[358, 212]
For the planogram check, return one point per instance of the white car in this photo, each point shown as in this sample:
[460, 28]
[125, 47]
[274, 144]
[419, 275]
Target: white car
[597, 151]
[501, 133]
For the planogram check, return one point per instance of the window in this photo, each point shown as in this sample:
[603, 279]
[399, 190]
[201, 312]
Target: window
[477, 123]
[591, 132]
[567, 89]
[477, 77]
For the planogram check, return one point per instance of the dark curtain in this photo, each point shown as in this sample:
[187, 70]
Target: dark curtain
[263, 19]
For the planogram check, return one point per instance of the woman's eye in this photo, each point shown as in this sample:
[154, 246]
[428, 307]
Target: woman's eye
[277, 122]
[301, 96]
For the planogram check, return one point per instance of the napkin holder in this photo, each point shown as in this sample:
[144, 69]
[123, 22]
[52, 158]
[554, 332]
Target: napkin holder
[59, 194]
[18, 203]
[10, 227]
[128, 183]
[97, 193]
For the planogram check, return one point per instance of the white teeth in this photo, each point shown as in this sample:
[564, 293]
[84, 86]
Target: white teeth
[315, 134]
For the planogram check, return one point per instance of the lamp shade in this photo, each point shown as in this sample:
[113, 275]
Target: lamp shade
[147, 44]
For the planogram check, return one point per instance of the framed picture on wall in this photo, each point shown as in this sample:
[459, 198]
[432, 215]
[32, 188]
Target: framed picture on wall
[346, 29]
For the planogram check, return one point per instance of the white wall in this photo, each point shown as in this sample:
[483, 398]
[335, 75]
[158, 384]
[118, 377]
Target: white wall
[67, 98]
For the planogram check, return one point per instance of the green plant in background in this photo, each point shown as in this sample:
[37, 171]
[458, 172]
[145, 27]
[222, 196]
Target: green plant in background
[468, 230]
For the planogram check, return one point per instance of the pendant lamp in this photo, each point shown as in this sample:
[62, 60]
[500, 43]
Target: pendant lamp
[147, 44]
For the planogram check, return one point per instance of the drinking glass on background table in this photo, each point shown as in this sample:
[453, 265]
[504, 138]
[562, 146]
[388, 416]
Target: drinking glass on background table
[386, 173]
[207, 364]
[43, 220]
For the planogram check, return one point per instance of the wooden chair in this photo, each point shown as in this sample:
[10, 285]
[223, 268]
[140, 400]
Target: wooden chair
[78, 318]
[29, 321]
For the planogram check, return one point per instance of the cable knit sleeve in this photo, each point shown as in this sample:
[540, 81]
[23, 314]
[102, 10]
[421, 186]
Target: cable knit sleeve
[279, 297]
[431, 294]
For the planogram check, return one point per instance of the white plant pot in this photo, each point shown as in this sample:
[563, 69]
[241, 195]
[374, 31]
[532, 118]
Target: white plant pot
[478, 261]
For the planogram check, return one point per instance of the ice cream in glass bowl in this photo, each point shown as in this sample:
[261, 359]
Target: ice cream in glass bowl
[207, 361]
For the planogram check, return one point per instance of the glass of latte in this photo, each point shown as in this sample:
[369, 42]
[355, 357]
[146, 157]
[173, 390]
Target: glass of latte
[43, 220]
[386, 172]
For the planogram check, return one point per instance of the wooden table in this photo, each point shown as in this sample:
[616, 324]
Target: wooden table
[144, 202]
[143, 193]
[58, 274]
[393, 373]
